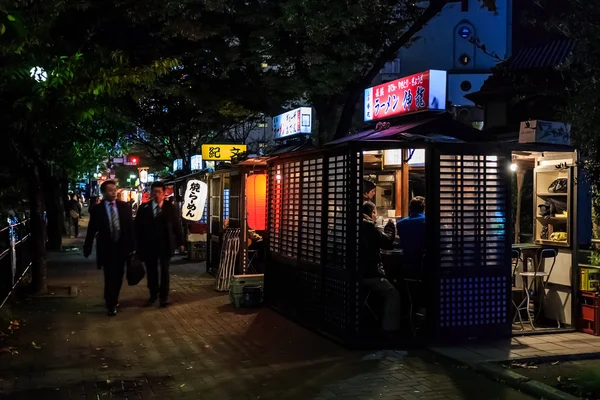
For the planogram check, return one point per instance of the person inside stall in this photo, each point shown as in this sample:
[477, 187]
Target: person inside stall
[372, 240]
[411, 231]
[368, 190]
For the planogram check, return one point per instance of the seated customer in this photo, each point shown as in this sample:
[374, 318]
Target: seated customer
[372, 240]
[369, 190]
[411, 231]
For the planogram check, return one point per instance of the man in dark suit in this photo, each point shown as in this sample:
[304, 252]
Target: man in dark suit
[112, 226]
[158, 234]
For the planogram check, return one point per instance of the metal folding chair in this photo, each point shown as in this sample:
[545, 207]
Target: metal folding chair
[367, 306]
[412, 283]
[515, 258]
[534, 283]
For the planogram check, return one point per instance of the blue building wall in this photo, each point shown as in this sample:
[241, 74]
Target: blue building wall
[444, 44]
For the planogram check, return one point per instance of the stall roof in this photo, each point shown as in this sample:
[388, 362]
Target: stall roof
[173, 180]
[254, 161]
[292, 148]
[441, 128]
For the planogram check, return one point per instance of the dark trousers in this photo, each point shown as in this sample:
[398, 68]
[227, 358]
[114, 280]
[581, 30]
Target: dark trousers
[74, 226]
[391, 307]
[152, 272]
[113, 278]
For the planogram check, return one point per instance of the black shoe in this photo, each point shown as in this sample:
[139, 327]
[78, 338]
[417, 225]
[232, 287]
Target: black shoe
[152, 300]
[112, 312]
[164, 303]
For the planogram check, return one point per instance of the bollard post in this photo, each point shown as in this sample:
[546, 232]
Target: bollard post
[13, 255]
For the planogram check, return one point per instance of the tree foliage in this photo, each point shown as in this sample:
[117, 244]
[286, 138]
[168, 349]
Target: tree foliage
[271, 54]
[576, 20]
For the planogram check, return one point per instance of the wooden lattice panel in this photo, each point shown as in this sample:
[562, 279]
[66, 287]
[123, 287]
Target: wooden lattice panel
[275, 188]
[312, 208]
[290, 209]
[473, 209]
[337, 209]
[473, 235]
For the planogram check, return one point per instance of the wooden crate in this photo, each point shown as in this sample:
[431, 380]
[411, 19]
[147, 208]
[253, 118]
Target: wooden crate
[590, 279]
[590, 312]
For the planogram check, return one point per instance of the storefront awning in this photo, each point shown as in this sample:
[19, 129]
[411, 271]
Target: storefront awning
[442, 128]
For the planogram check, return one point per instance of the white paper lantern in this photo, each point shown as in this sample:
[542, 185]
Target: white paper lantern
[194, 200]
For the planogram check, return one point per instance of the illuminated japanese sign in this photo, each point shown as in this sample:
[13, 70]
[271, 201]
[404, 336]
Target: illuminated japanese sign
[194, 200]
[177, 164]
[144, 176]
[414, 93]
[221, 152]
[415, 157]
[196, 162]
[291, 123]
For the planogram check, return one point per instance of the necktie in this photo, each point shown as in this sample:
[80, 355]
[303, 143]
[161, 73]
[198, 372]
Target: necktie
[114, 223]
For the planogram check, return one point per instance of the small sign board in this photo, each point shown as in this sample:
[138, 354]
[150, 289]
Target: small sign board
[118, 160]
[196, 162]
[292, 123]
[177, 164]
[538, 131]
[411, 94]
[222, 152]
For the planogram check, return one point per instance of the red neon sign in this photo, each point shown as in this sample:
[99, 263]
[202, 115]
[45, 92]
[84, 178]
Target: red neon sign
[414, 93]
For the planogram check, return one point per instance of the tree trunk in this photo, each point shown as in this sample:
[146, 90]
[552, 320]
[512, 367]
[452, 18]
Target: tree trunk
[328, 116]
[55, 212]
[347, 114]
[38, 229]
[357, 89]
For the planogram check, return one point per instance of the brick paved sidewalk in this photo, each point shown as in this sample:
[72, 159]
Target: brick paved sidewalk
[201, 348]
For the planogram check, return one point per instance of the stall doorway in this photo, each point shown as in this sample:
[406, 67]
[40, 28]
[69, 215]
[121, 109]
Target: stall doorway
[397, 176]
[545, 266]
[390, 179]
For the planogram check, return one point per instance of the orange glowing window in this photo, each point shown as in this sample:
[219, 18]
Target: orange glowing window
[256, 201]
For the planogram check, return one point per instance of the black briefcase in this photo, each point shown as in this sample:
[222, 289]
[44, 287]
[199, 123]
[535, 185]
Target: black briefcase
[135, 270]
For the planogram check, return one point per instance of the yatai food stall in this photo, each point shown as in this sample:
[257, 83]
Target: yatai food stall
[314, 218]
[551, 286]
[236, 213]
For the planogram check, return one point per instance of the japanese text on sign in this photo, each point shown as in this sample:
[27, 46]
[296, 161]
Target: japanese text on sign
[419, 92]
[222, 152]
[291, 123]
[194, 200]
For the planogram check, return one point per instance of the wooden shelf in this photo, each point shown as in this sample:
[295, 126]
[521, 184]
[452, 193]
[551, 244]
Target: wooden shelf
[552, 194]
[552, 220]
[552, 243]
[589, 266]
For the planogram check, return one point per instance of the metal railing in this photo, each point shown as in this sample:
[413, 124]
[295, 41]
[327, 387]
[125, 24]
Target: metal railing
[15, 257]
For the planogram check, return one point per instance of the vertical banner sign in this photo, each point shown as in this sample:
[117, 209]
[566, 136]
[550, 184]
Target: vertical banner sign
[194, 200]
[144, 176]
[415, 93]
[196, 162]
[177, 164]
